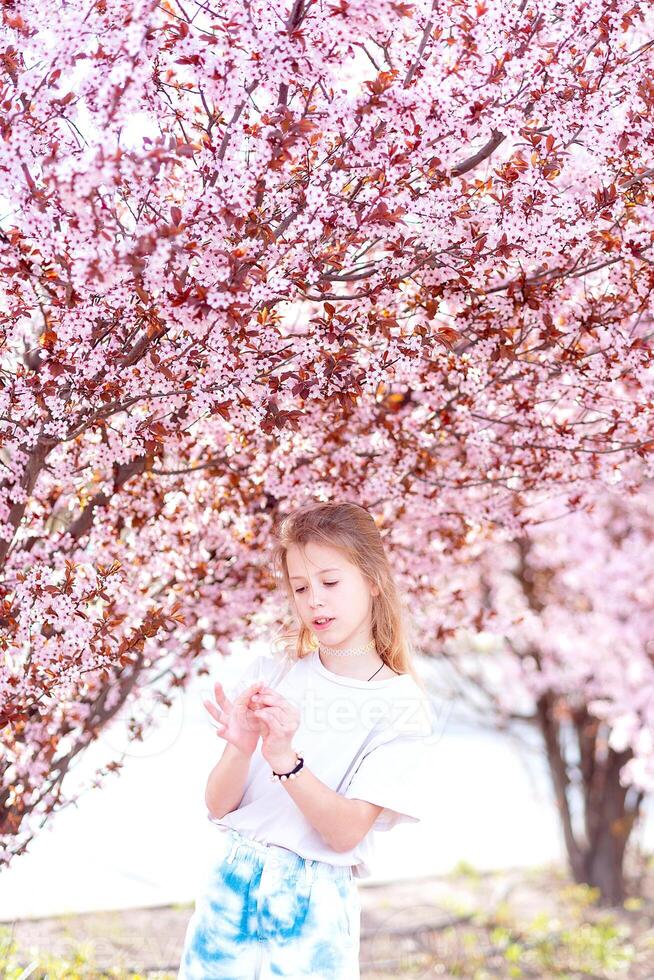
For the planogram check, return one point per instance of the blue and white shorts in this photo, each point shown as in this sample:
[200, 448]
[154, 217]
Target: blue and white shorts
[265, 911]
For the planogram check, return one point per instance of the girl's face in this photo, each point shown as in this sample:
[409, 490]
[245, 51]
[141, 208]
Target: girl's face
[326, 584]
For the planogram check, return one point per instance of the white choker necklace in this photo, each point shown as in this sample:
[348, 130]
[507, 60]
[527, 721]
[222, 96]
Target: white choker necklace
[350, 652]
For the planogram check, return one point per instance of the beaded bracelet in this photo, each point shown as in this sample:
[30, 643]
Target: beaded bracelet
[292, 773]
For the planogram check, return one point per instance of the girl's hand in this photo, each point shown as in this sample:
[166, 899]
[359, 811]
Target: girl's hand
[279, 722]
[236, 723]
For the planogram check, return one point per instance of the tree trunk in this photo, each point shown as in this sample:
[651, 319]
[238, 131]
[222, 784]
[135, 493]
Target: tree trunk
[603, 865]
[595, 852]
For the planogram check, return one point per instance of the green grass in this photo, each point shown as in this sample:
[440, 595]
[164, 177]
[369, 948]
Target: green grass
[566, 935]
[79, 965]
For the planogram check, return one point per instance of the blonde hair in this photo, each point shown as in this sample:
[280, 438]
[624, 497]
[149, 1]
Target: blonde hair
[352, 529]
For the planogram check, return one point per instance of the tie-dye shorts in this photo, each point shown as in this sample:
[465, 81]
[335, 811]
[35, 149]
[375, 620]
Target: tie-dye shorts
[264, 912]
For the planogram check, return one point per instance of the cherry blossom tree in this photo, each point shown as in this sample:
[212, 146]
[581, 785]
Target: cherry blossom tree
[255, 254]
[571, 601]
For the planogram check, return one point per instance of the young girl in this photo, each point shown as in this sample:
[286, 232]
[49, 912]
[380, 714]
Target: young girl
[343, 752]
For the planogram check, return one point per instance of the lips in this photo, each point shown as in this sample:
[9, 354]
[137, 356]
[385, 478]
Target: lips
[322, 625]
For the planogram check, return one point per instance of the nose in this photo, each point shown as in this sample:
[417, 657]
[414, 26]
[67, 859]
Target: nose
[314, 600]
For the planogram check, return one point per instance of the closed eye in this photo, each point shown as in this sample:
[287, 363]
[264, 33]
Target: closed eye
[324, 583]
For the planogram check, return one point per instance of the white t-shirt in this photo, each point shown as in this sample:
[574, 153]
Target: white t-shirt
[368, 740]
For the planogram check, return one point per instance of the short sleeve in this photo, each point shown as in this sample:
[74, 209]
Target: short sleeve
[395, 775]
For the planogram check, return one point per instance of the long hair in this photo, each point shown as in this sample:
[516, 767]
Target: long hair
[352, 529]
